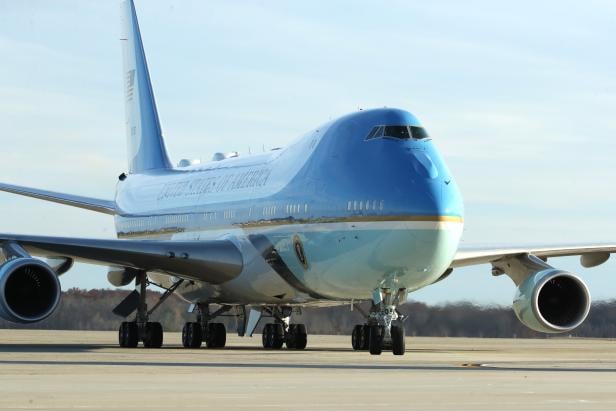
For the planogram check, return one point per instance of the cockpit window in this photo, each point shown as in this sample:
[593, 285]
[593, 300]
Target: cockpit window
[398, 132]
[376, 132]
[419, 132]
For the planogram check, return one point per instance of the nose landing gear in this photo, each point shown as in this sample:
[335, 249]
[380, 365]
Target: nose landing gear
[384, 328]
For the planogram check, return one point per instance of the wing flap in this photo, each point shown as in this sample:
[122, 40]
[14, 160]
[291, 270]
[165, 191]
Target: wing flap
[88, 203]
[214, 261]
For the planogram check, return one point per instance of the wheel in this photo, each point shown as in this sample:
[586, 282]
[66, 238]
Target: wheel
[128, 335]
[301, 337]
[153, 335]
[121, 335]
[296, 338]
[365, 337]
[277, 336]
[273, 336]
[359, 338]
[376, 339]
[216, 336]
[291, 337]
[397, 338]
[266, 336]
[191, 335]
[355, 337]
[221, 335]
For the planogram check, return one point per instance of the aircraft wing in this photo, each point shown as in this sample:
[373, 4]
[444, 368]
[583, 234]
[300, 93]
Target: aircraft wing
[214, 261]
[591, 255]
[89, 203]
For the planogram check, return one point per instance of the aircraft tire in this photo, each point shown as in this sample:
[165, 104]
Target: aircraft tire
[296, 338]
[376, 339]
[356, 337]
[153, 335]
[216, 336]
[277, 336]
[273, 336]
[128, 335]
[398, 346]
[365, 337]
[191, 335]
[266, 336]
[302, 337]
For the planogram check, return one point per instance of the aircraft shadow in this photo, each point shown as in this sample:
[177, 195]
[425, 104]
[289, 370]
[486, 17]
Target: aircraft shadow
[274, 364]
[80, 347]
[238, 365]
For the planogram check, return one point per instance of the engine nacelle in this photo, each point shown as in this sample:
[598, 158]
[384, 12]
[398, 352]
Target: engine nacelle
[29, 290]
[552, 301]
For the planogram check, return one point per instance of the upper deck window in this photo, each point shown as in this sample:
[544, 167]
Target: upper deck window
[398, 132]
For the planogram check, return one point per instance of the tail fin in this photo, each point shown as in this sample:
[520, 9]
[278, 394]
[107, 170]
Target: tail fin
[146, 147]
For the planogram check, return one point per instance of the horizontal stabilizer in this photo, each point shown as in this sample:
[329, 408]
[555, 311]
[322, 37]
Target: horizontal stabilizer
[89, 203]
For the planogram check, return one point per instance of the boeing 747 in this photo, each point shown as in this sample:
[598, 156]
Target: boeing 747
[359, 209]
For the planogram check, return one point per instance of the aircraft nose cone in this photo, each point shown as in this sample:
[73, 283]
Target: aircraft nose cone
[436, 194]
[424, 166]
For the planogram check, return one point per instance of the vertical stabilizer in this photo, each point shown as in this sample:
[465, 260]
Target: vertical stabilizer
[146, 147]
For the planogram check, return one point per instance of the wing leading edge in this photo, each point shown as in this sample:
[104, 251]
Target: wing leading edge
[215, 261]
[591, 255]
[88, 203]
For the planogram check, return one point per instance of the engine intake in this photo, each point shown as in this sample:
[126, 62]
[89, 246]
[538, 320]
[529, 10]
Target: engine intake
[552, 301]
[29, 290]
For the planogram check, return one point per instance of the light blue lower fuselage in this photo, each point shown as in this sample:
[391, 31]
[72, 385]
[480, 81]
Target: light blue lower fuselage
[329, 218]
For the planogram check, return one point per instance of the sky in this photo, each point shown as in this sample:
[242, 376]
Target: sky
[519, 96]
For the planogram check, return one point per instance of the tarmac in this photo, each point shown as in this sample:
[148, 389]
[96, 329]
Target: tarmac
[86, 370]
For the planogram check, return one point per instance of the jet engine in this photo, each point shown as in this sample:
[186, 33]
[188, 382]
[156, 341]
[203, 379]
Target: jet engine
[29, 290]
[552, 301]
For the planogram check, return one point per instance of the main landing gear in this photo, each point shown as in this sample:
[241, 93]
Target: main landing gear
[275, 334]
[141, 329]
[214, 334]
[384, 327]
[282, 332]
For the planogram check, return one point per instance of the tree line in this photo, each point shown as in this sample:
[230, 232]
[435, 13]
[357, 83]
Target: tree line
[91, 310]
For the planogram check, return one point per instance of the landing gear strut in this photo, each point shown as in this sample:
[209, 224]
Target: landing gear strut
[150, 333]
[384, 328]
[282, 332]
[214, 334]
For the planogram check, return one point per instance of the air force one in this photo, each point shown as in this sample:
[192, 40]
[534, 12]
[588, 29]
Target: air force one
[362, 208]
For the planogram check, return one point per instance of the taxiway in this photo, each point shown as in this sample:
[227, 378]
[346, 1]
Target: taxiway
[84, 369]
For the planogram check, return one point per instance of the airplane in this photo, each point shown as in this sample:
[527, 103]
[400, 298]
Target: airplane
[359, 209]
